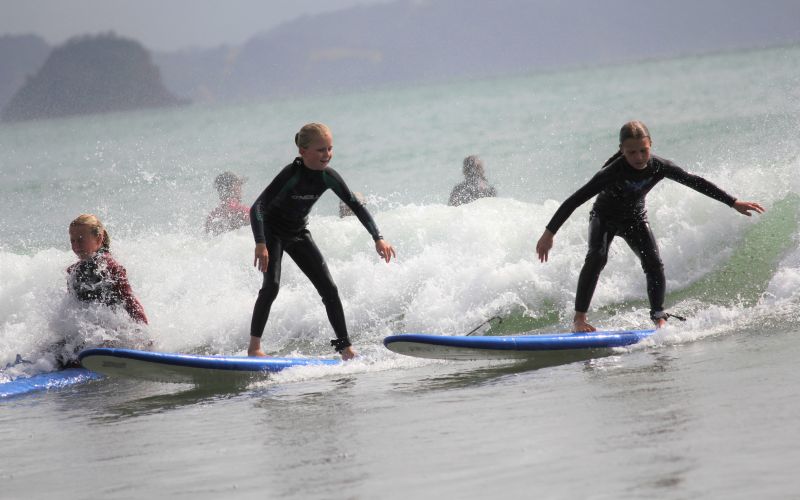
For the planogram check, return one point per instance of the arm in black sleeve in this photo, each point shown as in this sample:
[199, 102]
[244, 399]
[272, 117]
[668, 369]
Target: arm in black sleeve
[708, 188]
[337, 184]
[596, 184]
[265, 198]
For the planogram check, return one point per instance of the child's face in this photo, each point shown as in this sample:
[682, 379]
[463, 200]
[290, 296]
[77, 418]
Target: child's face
[319, 153]
[84, 243]
[636, 152]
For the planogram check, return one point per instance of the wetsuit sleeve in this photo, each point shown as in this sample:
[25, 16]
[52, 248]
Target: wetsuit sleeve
[708, 188]
[119, 278]
[263, 201]
[592, 188]
[338, 186]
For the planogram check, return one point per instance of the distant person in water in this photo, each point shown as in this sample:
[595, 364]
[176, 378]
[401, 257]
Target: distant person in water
[344, 210]
[97, 277]
[619, 210]
[279, 219]
[474, 186]
[230, 214]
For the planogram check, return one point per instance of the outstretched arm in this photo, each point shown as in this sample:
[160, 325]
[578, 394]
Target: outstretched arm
[337, 184]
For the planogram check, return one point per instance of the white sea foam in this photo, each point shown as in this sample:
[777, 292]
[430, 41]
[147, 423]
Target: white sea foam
[149, 177]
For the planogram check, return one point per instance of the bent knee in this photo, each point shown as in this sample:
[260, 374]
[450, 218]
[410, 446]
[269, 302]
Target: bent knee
[268, 291]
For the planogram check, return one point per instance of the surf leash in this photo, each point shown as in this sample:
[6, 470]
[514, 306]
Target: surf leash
[474, 330]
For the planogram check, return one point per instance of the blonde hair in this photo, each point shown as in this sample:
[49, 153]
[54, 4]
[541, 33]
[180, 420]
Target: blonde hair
[633, 130]
[95, 225]
[309, 132]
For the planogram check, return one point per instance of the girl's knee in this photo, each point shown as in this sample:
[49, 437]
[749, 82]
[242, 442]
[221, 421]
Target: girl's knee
[268, 291]
[595, 262]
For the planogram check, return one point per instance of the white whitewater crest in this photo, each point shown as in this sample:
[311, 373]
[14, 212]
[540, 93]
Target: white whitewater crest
[149, 178]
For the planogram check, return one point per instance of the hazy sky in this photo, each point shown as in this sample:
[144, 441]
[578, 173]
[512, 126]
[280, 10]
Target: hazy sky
[159, 24]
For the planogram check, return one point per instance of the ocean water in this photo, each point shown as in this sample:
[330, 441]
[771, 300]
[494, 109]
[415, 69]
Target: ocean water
[705, 409]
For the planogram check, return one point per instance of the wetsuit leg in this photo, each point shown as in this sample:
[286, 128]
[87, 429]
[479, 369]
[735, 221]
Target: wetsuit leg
[641, 240]
[269, 288]
[309, 259]
[600, 237]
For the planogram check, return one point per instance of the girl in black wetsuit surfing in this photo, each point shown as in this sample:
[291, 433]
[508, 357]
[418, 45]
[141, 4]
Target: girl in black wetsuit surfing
[279, 218]
[619, 210]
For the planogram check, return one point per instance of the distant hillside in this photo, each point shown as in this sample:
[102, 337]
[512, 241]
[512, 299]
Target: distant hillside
[198, 74]
[91, 74]
[20, 56]
[415, 41]
[395, 42]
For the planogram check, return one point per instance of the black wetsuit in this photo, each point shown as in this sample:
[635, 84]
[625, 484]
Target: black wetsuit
[279, 218]
[102, 279]
[619, 210]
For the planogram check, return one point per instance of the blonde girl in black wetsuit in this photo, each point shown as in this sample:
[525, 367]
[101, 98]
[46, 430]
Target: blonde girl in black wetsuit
[619, 210]
[279, 218]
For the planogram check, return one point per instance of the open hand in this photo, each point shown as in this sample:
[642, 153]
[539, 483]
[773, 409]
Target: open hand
[385, 250]
[544, 245]
[745, 207]
[261, 260]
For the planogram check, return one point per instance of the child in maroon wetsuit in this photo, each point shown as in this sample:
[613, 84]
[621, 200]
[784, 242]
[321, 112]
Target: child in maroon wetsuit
[97, 277]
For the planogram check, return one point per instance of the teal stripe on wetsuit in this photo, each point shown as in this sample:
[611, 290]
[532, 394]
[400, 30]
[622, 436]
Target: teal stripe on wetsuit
[285, 204]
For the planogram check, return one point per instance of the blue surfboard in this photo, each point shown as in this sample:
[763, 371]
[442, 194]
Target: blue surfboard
[47, 381]
[188, 368]
[511, 346]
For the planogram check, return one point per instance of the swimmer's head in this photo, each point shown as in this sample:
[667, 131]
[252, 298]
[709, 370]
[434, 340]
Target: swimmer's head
[474, 168]
[229, 184]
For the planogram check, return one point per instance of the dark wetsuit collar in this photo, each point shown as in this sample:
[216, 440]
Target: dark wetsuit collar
[300, 163]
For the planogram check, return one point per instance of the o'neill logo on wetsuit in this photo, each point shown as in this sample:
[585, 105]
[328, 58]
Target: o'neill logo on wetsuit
[305, 196]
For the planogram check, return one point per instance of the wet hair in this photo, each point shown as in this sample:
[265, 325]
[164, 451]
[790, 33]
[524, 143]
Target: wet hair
[95, 225]
[474, 168]
[633, 130]
[309, 132]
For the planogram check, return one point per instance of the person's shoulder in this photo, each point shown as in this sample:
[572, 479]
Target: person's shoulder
[612, 170]
[110, 262]
[665, 167]
[660, 161]
[332, 172]
[295, 166]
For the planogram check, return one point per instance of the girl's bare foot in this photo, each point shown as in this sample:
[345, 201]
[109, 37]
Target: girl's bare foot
[254, 349]
[580, 323]
[348, 353]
